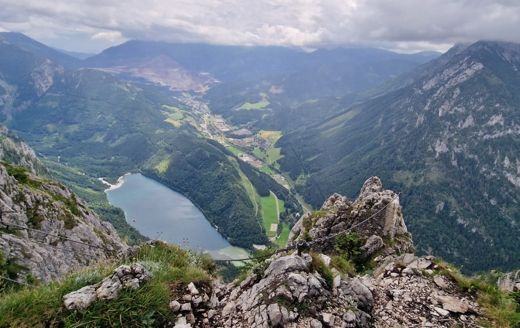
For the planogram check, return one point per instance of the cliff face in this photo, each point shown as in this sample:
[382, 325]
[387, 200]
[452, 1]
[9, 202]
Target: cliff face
[358, 270]
[45, 231]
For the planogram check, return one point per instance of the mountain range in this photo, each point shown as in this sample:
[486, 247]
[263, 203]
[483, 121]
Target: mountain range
[443, 130]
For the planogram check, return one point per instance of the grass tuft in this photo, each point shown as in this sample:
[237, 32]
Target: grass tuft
[147, 306]
[501, 309]
[319, 266]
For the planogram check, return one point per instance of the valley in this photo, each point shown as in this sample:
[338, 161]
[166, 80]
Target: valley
[257, 137]
[257, 150]
[259, 164]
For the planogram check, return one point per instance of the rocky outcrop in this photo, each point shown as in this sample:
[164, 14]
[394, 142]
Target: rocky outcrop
[45, 231]
[124, 277]
[18, 152]
[510, 282]
[412, 291]
[290, 293]
[304, 288]
[376, 216]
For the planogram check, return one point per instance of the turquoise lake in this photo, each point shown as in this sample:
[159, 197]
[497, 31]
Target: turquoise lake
[161, 213]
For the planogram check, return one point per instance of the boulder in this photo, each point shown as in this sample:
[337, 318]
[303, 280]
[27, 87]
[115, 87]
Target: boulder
[192, 289]
[373, 244]
[124, 277]
[80, 299]
[453, 304]
[175, 306]
[510, 282]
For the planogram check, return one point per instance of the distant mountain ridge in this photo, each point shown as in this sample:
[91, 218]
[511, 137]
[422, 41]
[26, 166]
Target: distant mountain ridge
[34, 47]
[450, 140]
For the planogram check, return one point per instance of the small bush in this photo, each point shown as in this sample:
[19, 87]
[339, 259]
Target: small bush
[11, 270]
[349, 246]
[343, 265]
[18, 172]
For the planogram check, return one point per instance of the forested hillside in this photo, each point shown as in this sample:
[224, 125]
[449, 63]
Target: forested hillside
[449, 141]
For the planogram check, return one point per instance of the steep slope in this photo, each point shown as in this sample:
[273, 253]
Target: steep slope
[349, 69]
[27, 44]
[322, 74]
[24, 77]
[107, 127]
[15, 151]
[450, 141]
[45, 230]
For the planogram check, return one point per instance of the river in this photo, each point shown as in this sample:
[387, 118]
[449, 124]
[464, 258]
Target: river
[158, 212]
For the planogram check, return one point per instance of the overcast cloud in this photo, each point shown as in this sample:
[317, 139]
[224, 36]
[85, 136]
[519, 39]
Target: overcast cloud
[405, 25]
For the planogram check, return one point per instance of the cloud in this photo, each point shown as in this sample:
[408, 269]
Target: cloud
[404, 25]
[111, 36]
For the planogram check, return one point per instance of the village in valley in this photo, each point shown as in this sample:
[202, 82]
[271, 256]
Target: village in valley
[257, 149]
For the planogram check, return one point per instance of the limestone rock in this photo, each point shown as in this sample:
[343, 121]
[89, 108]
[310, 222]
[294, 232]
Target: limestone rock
[192, 289]
[510, 282]
[289, 290]
[453, 304]
[80, 299]
[376, 216]
[124, 276]
[109, 289]
[48, 237]
[175, 306]
[372, 245]
[441, 282]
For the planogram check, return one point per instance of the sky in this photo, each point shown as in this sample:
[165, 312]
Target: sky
[402, 25]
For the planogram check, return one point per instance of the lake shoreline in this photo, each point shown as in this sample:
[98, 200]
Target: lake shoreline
[119, 183]
[155, 209]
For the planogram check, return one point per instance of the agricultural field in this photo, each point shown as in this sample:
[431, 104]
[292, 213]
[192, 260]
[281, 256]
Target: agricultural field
[282, 239]
[174, 115]
[259, 105]
[271, 207]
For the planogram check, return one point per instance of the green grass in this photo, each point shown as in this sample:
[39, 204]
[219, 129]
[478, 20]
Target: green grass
[163, 165]
[267, 170]
[41, 306]
[284, 235]
[273, 155]
[319, 266]
[234, 150]
[251, 191]
[174, 115]
[21, 174]
[269, 213]
[259, 153]
[172, 109]
[254, 106]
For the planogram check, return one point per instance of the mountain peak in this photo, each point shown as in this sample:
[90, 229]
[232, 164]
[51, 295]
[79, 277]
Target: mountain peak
[37, 49]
